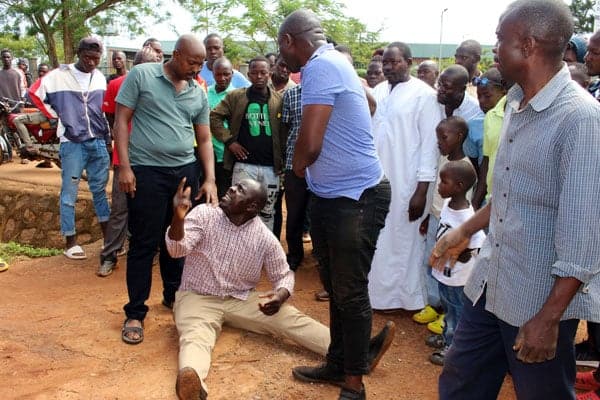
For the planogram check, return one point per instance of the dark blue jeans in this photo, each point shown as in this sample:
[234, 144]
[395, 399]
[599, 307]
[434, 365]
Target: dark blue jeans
[481, 354]
[344, 234]
[150, 213]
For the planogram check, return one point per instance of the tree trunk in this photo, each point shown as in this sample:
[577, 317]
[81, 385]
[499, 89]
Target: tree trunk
[67, 32]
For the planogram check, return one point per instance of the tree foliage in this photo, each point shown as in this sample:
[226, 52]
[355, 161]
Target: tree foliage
[583, 15]
[249, 27]
[62, 23]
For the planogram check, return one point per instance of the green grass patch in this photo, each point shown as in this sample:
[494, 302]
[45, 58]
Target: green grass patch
[10, 250]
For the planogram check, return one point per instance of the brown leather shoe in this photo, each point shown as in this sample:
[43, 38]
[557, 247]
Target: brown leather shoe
[188, 386]
[380, 343]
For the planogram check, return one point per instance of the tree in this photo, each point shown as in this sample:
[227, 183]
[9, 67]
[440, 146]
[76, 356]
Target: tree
[583, 15]
[67, 21]
[250, 27]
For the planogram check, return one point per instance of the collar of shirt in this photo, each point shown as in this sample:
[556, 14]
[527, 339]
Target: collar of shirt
[498, 109]
[544, 98]
[321, 50]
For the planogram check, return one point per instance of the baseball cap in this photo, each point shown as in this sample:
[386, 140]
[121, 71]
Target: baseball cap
[90, 43]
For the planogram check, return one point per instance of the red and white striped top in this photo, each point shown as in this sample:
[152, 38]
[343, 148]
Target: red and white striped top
[223, 259]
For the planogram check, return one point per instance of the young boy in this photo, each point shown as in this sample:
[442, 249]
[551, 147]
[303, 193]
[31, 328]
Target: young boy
[491, 91]
[456, 179]
[451, 133]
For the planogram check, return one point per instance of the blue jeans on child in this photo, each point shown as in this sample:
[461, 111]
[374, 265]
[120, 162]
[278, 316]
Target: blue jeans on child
[92, 156]
[430, 283]
[452, 299]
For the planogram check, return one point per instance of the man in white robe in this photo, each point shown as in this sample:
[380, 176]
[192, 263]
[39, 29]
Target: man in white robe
[404, 129]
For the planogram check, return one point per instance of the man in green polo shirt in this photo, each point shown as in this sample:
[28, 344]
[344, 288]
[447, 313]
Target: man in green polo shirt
[168, 110]
[223, 73]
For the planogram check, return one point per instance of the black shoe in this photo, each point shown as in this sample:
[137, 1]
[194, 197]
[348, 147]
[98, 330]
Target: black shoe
[380, 343]
[294, 263]
[349, 394]
[586, 355]
[188, 386]
[322, 374]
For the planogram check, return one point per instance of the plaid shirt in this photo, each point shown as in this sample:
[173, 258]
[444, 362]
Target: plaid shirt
[222, 259]
[291, 114]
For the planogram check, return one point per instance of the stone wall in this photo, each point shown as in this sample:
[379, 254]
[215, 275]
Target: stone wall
[29, 214]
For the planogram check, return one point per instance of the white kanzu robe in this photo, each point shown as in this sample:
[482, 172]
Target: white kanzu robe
[404, 129]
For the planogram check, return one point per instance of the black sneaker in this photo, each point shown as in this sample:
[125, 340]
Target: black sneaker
[324, 373]
[586, 355]
[380, 343]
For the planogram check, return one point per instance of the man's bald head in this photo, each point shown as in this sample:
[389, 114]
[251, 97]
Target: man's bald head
[302, 23]
[188, 57]
[190, 44]
[457, 74]
[258, 193]
[300, 35]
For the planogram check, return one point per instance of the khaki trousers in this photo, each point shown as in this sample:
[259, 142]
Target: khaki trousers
[199, 320]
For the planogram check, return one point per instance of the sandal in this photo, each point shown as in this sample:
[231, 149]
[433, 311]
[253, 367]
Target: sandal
[349, 394]
[75, 253]
[3, 265]
[132, 329]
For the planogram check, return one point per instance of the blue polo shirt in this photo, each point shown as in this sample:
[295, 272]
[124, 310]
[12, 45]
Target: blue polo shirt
[348, 163]
[162, 132]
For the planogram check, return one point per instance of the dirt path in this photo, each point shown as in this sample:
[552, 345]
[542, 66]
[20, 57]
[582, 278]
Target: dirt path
[60, 339]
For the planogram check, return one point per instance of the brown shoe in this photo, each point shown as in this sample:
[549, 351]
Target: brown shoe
[188, 386]
[322, 296]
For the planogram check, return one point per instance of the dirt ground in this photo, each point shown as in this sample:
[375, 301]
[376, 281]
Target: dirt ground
[60, 338]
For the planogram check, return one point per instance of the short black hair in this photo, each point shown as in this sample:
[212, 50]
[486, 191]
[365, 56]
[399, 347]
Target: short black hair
[461, 171]
[550, 22]
[403, 47]
[456, 124]
[43, 65]
[212, 35]
[5, 51]
[258, 59]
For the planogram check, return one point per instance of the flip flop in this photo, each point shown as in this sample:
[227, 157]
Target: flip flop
[132, 329]
[3, 265]
[75, 253]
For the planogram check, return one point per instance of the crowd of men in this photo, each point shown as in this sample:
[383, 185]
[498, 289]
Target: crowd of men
[399, 177]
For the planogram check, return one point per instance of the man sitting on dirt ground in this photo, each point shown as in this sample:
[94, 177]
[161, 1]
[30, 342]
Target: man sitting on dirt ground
[226, 248]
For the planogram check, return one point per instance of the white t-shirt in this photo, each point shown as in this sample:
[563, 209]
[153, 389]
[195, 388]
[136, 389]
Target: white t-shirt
[449, 219]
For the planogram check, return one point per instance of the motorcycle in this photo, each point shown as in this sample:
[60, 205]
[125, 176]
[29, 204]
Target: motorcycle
[45, 140]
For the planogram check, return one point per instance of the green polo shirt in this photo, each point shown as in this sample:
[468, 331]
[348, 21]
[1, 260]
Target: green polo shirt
[162, 132]
[214, 99]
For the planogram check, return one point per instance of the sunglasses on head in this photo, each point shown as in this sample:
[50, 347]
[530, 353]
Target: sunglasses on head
[477, 81]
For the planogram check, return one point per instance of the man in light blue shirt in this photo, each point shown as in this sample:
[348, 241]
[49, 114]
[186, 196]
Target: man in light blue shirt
[336, 153]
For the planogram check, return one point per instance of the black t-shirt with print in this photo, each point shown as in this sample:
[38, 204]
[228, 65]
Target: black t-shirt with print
[255, 130]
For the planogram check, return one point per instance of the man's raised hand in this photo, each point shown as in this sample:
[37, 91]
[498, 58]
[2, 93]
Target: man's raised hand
[182, 200]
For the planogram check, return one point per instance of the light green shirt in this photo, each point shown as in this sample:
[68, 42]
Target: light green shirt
[215, 98]
[492, 125]
[162, 132]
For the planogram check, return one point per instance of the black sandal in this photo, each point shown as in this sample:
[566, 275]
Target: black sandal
[132, 329]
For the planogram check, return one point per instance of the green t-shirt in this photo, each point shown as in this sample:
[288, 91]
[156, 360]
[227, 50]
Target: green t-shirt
[492, 126]
[162, 132]
[215, 98]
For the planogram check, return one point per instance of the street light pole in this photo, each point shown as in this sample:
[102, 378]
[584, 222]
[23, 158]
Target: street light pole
[441, 32]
